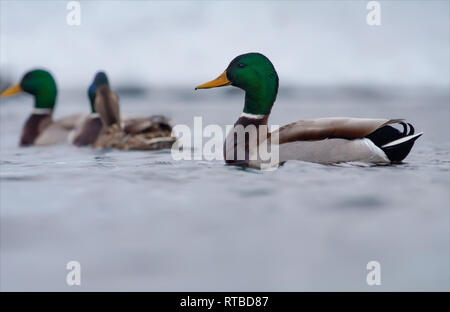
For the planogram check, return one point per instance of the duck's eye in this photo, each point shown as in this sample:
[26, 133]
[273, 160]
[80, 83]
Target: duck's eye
[241, 65]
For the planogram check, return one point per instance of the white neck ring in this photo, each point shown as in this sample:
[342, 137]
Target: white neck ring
[42, 111]
[252, 116]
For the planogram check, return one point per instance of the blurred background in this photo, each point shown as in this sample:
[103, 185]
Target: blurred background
[142, 221]
[182, 43]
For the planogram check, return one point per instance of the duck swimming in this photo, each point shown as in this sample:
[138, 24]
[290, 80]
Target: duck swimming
[92, 126]
[40, 128]
[106, 129]
[322, 140]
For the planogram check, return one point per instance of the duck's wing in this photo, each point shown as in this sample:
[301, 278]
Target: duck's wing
[111, 137]
[107, 106]
[148, 142]
[148, 133]
[147, 124]
[89, 132]
[326, 128]
[332, 140]
[114, 137]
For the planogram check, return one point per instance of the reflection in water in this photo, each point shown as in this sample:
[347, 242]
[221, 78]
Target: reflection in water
[104, 161]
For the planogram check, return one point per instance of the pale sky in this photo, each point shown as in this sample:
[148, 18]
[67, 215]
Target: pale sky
[168, 43]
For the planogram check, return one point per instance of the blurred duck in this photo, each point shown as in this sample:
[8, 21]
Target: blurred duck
[90, 131]
[40, 128]
[105, 129]
[322, 140]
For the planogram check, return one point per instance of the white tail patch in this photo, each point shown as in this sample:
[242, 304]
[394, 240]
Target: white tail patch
[402, 140]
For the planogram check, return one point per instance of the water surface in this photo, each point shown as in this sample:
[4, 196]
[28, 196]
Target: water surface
[142, 221]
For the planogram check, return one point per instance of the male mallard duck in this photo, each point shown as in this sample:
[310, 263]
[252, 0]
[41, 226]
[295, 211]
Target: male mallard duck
[105, 129]
[322, 140]
[40, 128]
[91, 128]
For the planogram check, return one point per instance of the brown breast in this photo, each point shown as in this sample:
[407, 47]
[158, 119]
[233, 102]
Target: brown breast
[89, 133]
[242, 146]
[33, 127]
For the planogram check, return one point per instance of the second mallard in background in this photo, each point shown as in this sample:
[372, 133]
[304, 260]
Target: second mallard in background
[106, 129]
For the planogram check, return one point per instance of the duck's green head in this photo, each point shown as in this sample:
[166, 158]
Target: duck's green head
[99, 79]
[40, 84]
[256, 75]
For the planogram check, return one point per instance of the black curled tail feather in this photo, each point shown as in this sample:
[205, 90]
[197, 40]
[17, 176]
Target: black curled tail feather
[396, 144]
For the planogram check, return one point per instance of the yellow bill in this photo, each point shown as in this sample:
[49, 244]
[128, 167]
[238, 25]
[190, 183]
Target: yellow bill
[12, 90]
[220, 81]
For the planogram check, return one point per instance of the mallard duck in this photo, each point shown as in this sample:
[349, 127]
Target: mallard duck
[92, 126]
[105, 129]
[322, 140]
[40, 128]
